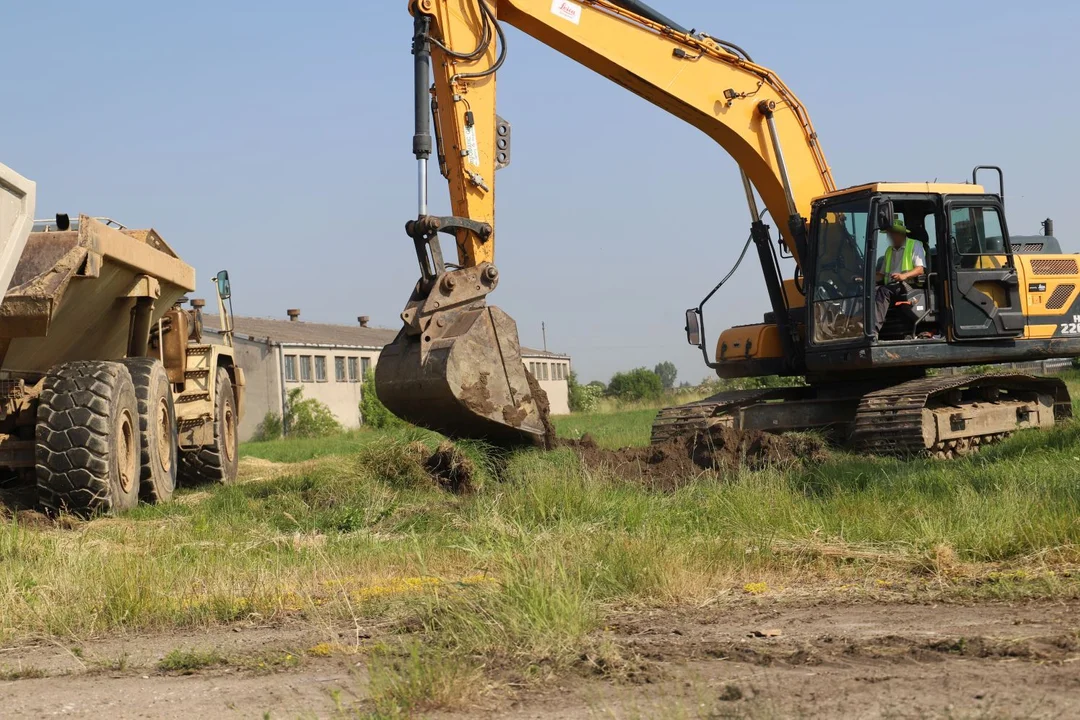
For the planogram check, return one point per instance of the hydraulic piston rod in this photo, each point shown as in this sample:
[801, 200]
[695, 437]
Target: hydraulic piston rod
[766, 109]
[422, 144]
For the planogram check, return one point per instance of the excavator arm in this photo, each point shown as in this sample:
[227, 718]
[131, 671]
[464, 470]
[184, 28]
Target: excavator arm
[456, 365]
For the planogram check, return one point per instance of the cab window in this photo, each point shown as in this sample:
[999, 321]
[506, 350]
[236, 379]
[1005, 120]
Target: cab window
[840, 265]
[976, 231]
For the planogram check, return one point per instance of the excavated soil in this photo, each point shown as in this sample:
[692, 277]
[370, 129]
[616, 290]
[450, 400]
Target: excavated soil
[543, 406]
[448, 467]
[719, 449]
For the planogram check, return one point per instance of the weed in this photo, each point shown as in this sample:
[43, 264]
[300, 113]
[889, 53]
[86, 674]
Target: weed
[276, 661]
[116, 664]
[416, 677]
[187, 662]
[23, 672]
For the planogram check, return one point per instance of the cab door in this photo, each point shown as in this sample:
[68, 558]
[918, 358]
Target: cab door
[984, 290]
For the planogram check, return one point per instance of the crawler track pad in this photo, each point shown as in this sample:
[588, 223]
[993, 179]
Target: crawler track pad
[468, 382]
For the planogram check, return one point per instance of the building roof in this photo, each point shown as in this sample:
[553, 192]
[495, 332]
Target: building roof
[542, 354]
[289, 332]
[299, 332]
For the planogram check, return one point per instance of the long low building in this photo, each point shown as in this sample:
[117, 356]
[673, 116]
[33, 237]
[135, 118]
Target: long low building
[329, 362]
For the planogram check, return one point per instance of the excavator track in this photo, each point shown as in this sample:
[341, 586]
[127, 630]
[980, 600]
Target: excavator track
[950, 416]
[940, 416]
[684, 420]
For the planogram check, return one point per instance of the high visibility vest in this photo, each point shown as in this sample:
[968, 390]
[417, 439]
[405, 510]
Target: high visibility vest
[908, 262]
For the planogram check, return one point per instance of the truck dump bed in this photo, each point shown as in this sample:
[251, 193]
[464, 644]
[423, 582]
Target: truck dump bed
[16, 220]
[71, 293]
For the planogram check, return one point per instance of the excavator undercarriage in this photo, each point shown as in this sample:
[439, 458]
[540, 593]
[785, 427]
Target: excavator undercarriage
[942, 416]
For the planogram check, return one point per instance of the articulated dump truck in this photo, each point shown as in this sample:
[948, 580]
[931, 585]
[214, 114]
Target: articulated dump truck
[108, 395]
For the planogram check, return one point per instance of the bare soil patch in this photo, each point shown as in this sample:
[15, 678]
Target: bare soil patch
[719, 449]
[757, 659]
[825, 661]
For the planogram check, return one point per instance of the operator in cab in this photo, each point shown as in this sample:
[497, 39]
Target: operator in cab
[904, 261]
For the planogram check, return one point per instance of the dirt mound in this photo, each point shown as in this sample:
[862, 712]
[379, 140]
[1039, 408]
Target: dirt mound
[40, 521]
[722, 447]
[680, 461]
[450, 469]
[668, 466]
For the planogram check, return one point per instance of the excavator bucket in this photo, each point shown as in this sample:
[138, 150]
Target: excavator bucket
[462, 374]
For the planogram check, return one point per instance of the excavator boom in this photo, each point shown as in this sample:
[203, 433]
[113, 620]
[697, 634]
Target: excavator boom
[456, 364]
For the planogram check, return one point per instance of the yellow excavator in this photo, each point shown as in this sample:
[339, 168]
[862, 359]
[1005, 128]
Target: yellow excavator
[865, 339]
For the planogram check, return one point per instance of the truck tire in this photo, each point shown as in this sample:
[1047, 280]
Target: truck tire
[87, 449]
[157, 429]
[215, 463]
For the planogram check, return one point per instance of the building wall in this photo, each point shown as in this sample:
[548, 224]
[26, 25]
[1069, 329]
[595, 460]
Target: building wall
[263, 365]
[341, 395]
[553, 374]
[262, 381]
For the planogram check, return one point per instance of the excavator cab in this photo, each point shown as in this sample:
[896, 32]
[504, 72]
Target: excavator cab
[851, 248]
[970, 288]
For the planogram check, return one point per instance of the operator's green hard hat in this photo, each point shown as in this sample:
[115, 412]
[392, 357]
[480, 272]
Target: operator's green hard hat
[898, 226]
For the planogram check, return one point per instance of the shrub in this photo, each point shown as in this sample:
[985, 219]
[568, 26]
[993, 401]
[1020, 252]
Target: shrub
[373, 412]
[309, 418]
[270, 428]
[638, 384]
[584, 398]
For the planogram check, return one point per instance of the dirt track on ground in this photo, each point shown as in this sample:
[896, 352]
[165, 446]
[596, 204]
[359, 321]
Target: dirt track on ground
[767, 660]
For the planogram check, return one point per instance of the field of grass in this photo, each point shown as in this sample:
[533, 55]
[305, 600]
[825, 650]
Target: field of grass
[519, 575]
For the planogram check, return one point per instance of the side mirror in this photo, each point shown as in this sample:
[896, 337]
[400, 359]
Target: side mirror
[223, 289]
[693, 327]
[886, 217]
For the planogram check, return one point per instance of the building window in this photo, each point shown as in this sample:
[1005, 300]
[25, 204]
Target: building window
[354, 369]
[290, 368]
[365, 366]
[546, 371]
[532, 369]
[339, 369]
[305, 368]
[558, 372]
[320, 368]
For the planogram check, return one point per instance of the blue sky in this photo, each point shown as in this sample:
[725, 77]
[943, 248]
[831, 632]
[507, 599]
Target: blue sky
[273, 139]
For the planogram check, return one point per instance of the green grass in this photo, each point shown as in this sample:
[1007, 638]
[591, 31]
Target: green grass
[301, 449]
[610, 430]
[518, 577]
